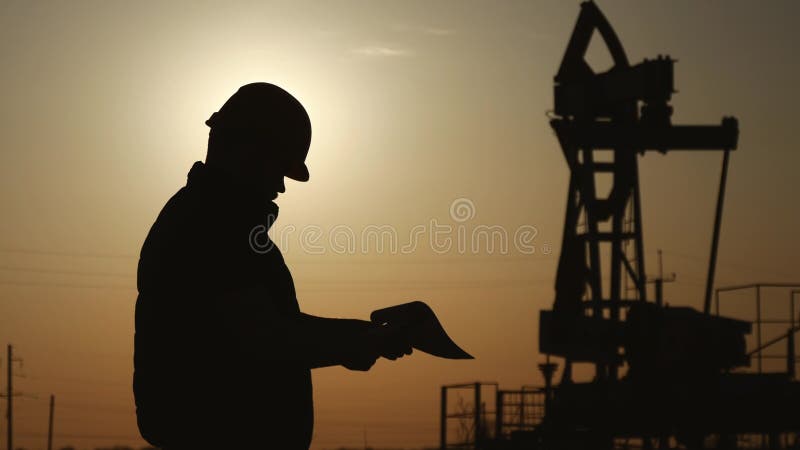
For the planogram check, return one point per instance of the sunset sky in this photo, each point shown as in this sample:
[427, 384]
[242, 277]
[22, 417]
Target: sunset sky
[414, 105]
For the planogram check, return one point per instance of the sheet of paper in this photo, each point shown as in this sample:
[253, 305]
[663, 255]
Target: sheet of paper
[423, 328]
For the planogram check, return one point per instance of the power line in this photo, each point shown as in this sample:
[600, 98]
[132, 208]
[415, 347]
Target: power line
[733, 265]
[73, 254]
[65, 285]
[65, 272]
[469, 259]
[95, 406]
[410, 287]
[79, 380]
[421, 283]
[99, 408]
[344, 286]
[83, 436]
[393, 259]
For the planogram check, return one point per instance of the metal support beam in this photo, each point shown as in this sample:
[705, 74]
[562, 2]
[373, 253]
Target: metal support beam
[712, 259]
[607, 135]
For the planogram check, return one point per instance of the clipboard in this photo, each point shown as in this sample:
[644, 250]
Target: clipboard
[423, 327]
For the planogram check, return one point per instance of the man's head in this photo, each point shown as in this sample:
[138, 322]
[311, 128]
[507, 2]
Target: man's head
[260, 135]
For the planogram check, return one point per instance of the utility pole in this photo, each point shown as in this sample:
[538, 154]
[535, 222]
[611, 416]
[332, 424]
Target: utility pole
[9, 398]
[9, 395]
[50, 426]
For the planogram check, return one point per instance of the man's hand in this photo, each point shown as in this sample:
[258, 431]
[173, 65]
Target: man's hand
[362, 353]
[391, 342]
[377, 341]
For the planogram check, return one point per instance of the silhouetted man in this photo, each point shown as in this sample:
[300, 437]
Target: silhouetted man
[222, 352]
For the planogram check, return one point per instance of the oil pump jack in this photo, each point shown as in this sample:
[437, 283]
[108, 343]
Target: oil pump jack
[662, 374]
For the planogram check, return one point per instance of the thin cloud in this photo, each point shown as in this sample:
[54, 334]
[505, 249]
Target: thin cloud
[439, 31]
[378, 51]
[427, 30]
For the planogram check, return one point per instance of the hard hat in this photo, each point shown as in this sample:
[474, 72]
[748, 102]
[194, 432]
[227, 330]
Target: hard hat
[267, 110]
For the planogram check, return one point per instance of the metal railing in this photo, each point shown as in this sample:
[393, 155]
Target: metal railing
[793, 323]
[475, 421]
[518, 410]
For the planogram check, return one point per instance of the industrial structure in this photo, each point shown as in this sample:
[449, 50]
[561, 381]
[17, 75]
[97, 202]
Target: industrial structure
[664, 376]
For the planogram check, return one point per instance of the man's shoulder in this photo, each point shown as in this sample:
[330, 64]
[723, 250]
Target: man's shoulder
[178, 242]
[177, 222]
[178, 209]
[196, 223]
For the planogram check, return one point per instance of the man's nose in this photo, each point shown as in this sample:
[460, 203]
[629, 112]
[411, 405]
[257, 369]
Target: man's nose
[282, 185]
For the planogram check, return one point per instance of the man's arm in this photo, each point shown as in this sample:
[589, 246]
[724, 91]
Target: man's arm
[310, 341]
[332, 342]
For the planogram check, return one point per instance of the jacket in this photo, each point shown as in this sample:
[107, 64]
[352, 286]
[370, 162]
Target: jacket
[215, 362]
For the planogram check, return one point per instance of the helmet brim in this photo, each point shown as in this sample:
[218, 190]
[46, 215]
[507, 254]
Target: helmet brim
[299, 172]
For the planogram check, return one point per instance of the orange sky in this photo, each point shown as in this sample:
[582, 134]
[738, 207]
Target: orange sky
[414, 105]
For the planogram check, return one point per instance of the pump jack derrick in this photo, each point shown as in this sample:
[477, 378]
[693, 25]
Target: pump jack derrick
[662, 374]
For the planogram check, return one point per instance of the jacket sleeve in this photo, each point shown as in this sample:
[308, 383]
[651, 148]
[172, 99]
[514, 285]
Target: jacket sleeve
[261, 331]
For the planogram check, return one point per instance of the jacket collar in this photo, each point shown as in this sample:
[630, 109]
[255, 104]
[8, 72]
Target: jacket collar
[226, 188]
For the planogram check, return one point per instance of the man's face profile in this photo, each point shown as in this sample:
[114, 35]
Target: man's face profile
[265, 164]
